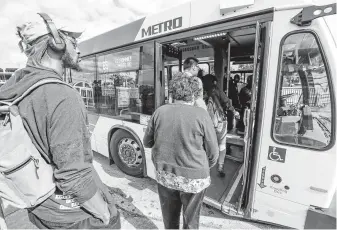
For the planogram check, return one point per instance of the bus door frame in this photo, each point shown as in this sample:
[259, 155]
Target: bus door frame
[253, 165]
[228, 72]
[159, 75]
[250, 120]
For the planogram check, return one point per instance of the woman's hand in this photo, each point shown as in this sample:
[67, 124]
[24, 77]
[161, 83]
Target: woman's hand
[236, 115]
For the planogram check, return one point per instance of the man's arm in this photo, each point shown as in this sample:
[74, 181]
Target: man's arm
[226, 103]
[72, 156]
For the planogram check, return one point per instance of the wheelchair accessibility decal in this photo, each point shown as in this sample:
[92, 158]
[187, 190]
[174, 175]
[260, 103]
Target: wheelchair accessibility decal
[277, 154]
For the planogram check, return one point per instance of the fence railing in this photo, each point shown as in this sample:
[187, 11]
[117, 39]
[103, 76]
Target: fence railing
[317, 97]
[87, 96]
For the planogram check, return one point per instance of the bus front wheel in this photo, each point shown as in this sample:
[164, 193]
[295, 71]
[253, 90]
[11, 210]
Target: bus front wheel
[127, 153]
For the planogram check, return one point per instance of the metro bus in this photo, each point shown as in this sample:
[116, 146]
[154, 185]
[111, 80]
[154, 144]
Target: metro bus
[283, 169]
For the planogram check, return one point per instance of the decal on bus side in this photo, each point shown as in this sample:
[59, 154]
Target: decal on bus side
[263, 175]
[163, 27]
[277, 154]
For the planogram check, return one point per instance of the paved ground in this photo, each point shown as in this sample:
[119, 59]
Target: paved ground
[138, 202]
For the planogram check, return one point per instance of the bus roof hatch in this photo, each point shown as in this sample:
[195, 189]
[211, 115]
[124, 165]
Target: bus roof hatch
[310, 13]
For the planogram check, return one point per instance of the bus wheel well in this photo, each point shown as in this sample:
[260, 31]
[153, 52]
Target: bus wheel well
[127, 131]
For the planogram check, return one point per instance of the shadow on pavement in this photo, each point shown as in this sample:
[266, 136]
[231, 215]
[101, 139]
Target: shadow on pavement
[130, 212]
[114, 171]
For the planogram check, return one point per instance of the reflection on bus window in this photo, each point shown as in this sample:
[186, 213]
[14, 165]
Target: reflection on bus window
[83, 80]
[303, 113]
[123, 86]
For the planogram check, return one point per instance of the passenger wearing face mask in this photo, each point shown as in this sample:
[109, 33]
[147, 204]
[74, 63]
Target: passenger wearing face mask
[192, 69]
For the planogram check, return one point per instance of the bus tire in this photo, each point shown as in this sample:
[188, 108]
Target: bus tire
[127, 153]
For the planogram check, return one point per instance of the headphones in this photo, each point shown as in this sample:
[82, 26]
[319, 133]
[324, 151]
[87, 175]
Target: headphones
[56, 43]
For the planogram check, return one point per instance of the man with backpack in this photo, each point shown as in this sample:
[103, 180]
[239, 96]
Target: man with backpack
[50, 171]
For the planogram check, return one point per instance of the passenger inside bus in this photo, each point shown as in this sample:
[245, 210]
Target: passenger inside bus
[233, 91]
[217, 100]
[245, 100]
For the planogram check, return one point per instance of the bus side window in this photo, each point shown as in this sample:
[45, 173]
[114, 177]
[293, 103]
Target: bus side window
[303, 107]
[83, 81]
[174, 70]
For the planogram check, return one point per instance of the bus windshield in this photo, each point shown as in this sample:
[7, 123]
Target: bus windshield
[305, 94]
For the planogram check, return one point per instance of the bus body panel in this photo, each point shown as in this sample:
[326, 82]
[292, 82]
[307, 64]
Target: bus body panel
[272, 209]
[330, 20]
[308, 176]
[179, 17]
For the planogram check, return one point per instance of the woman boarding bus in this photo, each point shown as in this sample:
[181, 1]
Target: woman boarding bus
[282, 169]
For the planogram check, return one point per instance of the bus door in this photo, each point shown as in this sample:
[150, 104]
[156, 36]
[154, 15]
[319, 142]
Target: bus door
[250, 115]
[296, 167]
[159, 75]
[161, 86]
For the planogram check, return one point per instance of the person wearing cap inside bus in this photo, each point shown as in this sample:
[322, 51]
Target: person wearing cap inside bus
[192, 69]
[56, 120]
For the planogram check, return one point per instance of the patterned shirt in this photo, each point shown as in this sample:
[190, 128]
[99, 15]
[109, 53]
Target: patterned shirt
[170, 180]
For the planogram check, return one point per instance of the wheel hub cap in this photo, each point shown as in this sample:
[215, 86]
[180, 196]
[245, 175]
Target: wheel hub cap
[130, 152]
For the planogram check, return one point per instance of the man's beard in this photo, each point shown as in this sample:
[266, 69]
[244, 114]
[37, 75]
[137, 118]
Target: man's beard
[68, 62]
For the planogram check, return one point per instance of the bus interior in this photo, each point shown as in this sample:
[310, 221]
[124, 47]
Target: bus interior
[222, 53]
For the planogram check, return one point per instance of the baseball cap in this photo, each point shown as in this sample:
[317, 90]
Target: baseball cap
[32, 26]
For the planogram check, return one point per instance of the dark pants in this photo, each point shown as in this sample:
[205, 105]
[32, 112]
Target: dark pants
[171, 202]
[90, 223]
[240, 125]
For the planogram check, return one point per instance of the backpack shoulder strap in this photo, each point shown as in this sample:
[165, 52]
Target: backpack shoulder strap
[36, 85]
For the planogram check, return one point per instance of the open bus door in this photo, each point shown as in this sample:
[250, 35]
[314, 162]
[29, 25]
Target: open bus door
[161, 86]
[295, 174]
[159, 97]
[250, 114]
[159, 75]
